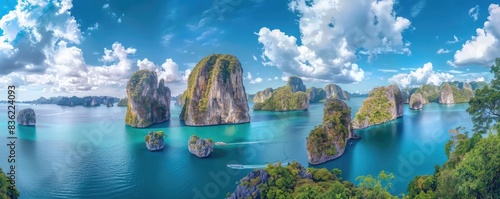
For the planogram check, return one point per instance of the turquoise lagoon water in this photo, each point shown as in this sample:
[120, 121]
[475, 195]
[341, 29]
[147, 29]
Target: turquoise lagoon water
[77, 152]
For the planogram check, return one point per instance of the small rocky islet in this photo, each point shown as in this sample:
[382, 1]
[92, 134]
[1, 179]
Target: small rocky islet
[200, 147]
[26, 117]
[155, 140]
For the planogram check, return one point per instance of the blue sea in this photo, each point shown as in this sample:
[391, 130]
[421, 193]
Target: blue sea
[79, 152]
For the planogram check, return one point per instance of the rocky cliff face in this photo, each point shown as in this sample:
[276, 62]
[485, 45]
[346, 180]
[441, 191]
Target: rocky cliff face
[382, 105]
[148, 101]
[26, 117]
[155, 140]
[296, 84]
[417, 101]
[328, 141]
[200, 147]
[215, 93]
[446, 94]
[284, 99]
[261, 96]
[316, 94]
[333, 90]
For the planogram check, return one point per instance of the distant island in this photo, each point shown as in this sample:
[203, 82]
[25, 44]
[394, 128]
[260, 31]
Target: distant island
[383, 104]
[290, 97]
[87, 101]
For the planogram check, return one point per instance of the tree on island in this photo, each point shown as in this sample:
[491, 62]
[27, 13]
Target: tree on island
[485, 105]
[5, 191]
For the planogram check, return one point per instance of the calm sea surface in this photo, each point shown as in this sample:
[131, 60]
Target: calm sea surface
[78, 152]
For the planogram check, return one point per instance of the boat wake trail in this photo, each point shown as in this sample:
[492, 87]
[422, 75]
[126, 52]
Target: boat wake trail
[250, 142]
[254, 166]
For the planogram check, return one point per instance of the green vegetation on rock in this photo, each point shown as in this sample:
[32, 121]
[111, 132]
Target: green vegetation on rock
[285, 99]
[5, 187]
[328, 140]
[383, 104]
[295, 181]
[123, 102]
[203, 104]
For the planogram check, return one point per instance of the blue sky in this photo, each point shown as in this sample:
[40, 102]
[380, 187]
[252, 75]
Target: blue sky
[64, 47]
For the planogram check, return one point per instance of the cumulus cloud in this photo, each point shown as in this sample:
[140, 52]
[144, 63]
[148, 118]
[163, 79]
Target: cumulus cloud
[483, 48]
[47, 55]
[474, 12]
[423, 75]
[252, 80]
[479, 79]
[29, 32]
[332, 31]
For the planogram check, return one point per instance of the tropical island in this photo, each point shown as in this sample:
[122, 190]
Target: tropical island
[148, 100]
[328, 140]
[155, 140]
[87, 101]
[382, 105]
[290, 97]
[215, 93]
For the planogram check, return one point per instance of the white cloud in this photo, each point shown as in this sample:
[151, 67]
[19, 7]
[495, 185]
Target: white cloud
[29, 32]
[253, 81]
[93, 27]
[206, 34]
[254, 57]
[455, 40]
[165, 40]
[276, 78]
[332, 31]
[146, 64]
[474, 12]
[388, 70]
[443, 51]
[423, 75]
[455, 71]
[417, 8]
[105, 6]
[479, 79]
[483, 48]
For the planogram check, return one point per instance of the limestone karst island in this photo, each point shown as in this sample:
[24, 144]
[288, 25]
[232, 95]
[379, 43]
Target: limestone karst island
[259, 99]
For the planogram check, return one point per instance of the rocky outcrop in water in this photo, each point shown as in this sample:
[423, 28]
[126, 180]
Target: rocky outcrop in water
[200, 147]
[148, 101]
[446, 94]
[285, 99]
[155, 140]
[333, 90]
[383, 104]
[90, 102]
[328, 140]
[109, 102]
[26, 117]
[178, 100]
[215, 93]
[417, 101]
[261, 96]
[316, 94]
[123, 102]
